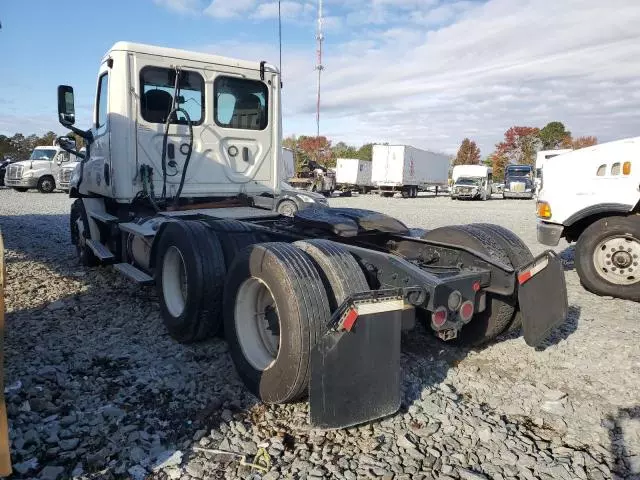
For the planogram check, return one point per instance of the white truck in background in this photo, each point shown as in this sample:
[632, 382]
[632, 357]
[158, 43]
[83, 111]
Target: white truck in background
[353, 174]
[406, 169]
[541, 158]
[65, 172]
[592, 197]
[473, 182]
[40, 170]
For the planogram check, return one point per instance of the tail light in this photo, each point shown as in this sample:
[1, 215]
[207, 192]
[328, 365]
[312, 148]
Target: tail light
[466, 311]
[439, 316]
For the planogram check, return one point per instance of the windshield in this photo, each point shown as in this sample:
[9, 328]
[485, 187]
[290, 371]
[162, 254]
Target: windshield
[468, 181]
[518, 172]
[43, 154]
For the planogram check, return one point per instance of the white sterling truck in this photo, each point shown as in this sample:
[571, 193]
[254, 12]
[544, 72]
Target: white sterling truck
[407, 170]
[353, 174]
[473, 182]
[592, 197]
[311, 304]
[40, 171]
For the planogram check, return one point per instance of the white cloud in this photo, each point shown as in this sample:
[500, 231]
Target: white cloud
[229, 8]
[180, 6]
[288, 10]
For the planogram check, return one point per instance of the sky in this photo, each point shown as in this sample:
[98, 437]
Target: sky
[421, 72]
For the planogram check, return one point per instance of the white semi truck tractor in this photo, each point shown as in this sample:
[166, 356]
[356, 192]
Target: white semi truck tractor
[591, 196]
[311, 304]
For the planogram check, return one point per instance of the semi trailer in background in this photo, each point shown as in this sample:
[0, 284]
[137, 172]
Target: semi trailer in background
[407, 170]
[353, 174]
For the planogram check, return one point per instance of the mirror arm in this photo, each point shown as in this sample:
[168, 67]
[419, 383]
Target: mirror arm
[71, 150]
[86, 134]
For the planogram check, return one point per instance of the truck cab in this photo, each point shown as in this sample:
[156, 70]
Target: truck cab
[518, 182]
[592, 198]
[541, 158]
[473, 182]
[39, 171]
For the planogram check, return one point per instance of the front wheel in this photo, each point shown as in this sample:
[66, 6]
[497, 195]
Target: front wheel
[608, 257]
[80, 233]
[46, 185]
[287, 208]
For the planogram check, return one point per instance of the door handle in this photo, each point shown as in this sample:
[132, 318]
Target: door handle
[245, 154]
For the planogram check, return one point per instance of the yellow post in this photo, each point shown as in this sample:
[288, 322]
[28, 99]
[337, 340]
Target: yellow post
[5, 457]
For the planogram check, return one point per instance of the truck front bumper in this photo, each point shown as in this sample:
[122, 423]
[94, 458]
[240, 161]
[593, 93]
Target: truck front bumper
[549, 233]
[23, 182]
[63, 186]
[510, 194]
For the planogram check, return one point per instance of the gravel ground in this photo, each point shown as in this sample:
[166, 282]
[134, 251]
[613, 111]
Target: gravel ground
[95, 388]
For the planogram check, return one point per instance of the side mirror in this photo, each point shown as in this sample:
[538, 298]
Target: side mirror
[66, 109]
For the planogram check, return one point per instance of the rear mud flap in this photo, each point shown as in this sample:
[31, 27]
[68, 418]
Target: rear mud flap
[355, 367]
[542, 295]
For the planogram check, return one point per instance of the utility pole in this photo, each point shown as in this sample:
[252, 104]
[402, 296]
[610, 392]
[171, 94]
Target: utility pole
[319, 66]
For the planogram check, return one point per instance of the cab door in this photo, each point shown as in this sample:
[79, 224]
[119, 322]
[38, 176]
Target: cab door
[97, 170]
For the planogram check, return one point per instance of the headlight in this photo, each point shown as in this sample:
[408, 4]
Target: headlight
[28, 174]
[527, 189]
[543, 210]
[306, 198]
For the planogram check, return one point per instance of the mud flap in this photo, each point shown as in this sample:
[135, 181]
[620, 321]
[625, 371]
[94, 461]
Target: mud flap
[355, 367]
[542, 295]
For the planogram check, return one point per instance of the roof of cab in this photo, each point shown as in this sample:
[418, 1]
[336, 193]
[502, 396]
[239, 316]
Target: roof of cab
[186, 55]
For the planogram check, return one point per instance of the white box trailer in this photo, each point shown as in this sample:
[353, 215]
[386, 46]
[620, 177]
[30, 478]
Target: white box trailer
[406, 169]
[353, 174]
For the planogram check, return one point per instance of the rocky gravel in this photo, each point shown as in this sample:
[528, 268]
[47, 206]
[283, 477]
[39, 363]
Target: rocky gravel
[95, 388]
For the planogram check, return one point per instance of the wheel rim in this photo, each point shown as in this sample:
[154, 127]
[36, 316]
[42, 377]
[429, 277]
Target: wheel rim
[47, 185]
[617, 260]
[257, 323]
[174, 281]
[287, 209]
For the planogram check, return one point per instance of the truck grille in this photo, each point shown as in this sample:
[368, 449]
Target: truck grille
[65, 175]
[14, 172]
[517, 187]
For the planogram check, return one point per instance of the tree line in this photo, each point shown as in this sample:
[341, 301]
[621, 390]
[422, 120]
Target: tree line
[321, 150]
[19, 146]
[520, 146]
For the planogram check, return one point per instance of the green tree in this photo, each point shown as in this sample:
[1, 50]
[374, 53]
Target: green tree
[365, 152]
[342, 150]
[468, 153]
[552, 135]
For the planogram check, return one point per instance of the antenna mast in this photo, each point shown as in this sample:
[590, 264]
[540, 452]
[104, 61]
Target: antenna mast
[319, 66]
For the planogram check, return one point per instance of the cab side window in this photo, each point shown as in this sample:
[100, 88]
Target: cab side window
[102, 105]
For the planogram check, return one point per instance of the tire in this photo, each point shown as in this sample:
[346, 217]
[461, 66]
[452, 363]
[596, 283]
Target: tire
[387, 194]
[340, 272]
[495, 319]
[190, 251]
[20, 189]
[46, 184]
[518, 254]
[288, 208]
[414, 192]
[286, 276]
[406, 193]
[79, 230]
[234, 236]
[595, 248]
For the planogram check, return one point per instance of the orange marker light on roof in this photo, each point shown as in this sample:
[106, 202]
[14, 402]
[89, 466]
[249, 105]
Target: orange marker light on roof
[626, 168]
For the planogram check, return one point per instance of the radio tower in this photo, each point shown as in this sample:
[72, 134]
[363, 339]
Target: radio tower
[319, 66]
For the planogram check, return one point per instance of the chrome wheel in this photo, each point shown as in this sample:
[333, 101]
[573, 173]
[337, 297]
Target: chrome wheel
[174, 281]
[617, 260]
[257, 323]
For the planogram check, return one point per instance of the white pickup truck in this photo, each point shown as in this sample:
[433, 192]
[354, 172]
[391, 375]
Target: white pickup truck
[592, 196]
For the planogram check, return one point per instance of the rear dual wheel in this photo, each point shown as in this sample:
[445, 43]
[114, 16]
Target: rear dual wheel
[501, 313]
[278, 300]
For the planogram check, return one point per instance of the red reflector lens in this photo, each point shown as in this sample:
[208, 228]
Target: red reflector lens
[350, 319]
[466, 311]
[523, 277]
[439, 317]
[476, 286]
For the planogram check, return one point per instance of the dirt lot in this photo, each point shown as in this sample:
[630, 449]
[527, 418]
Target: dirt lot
[96, 389]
